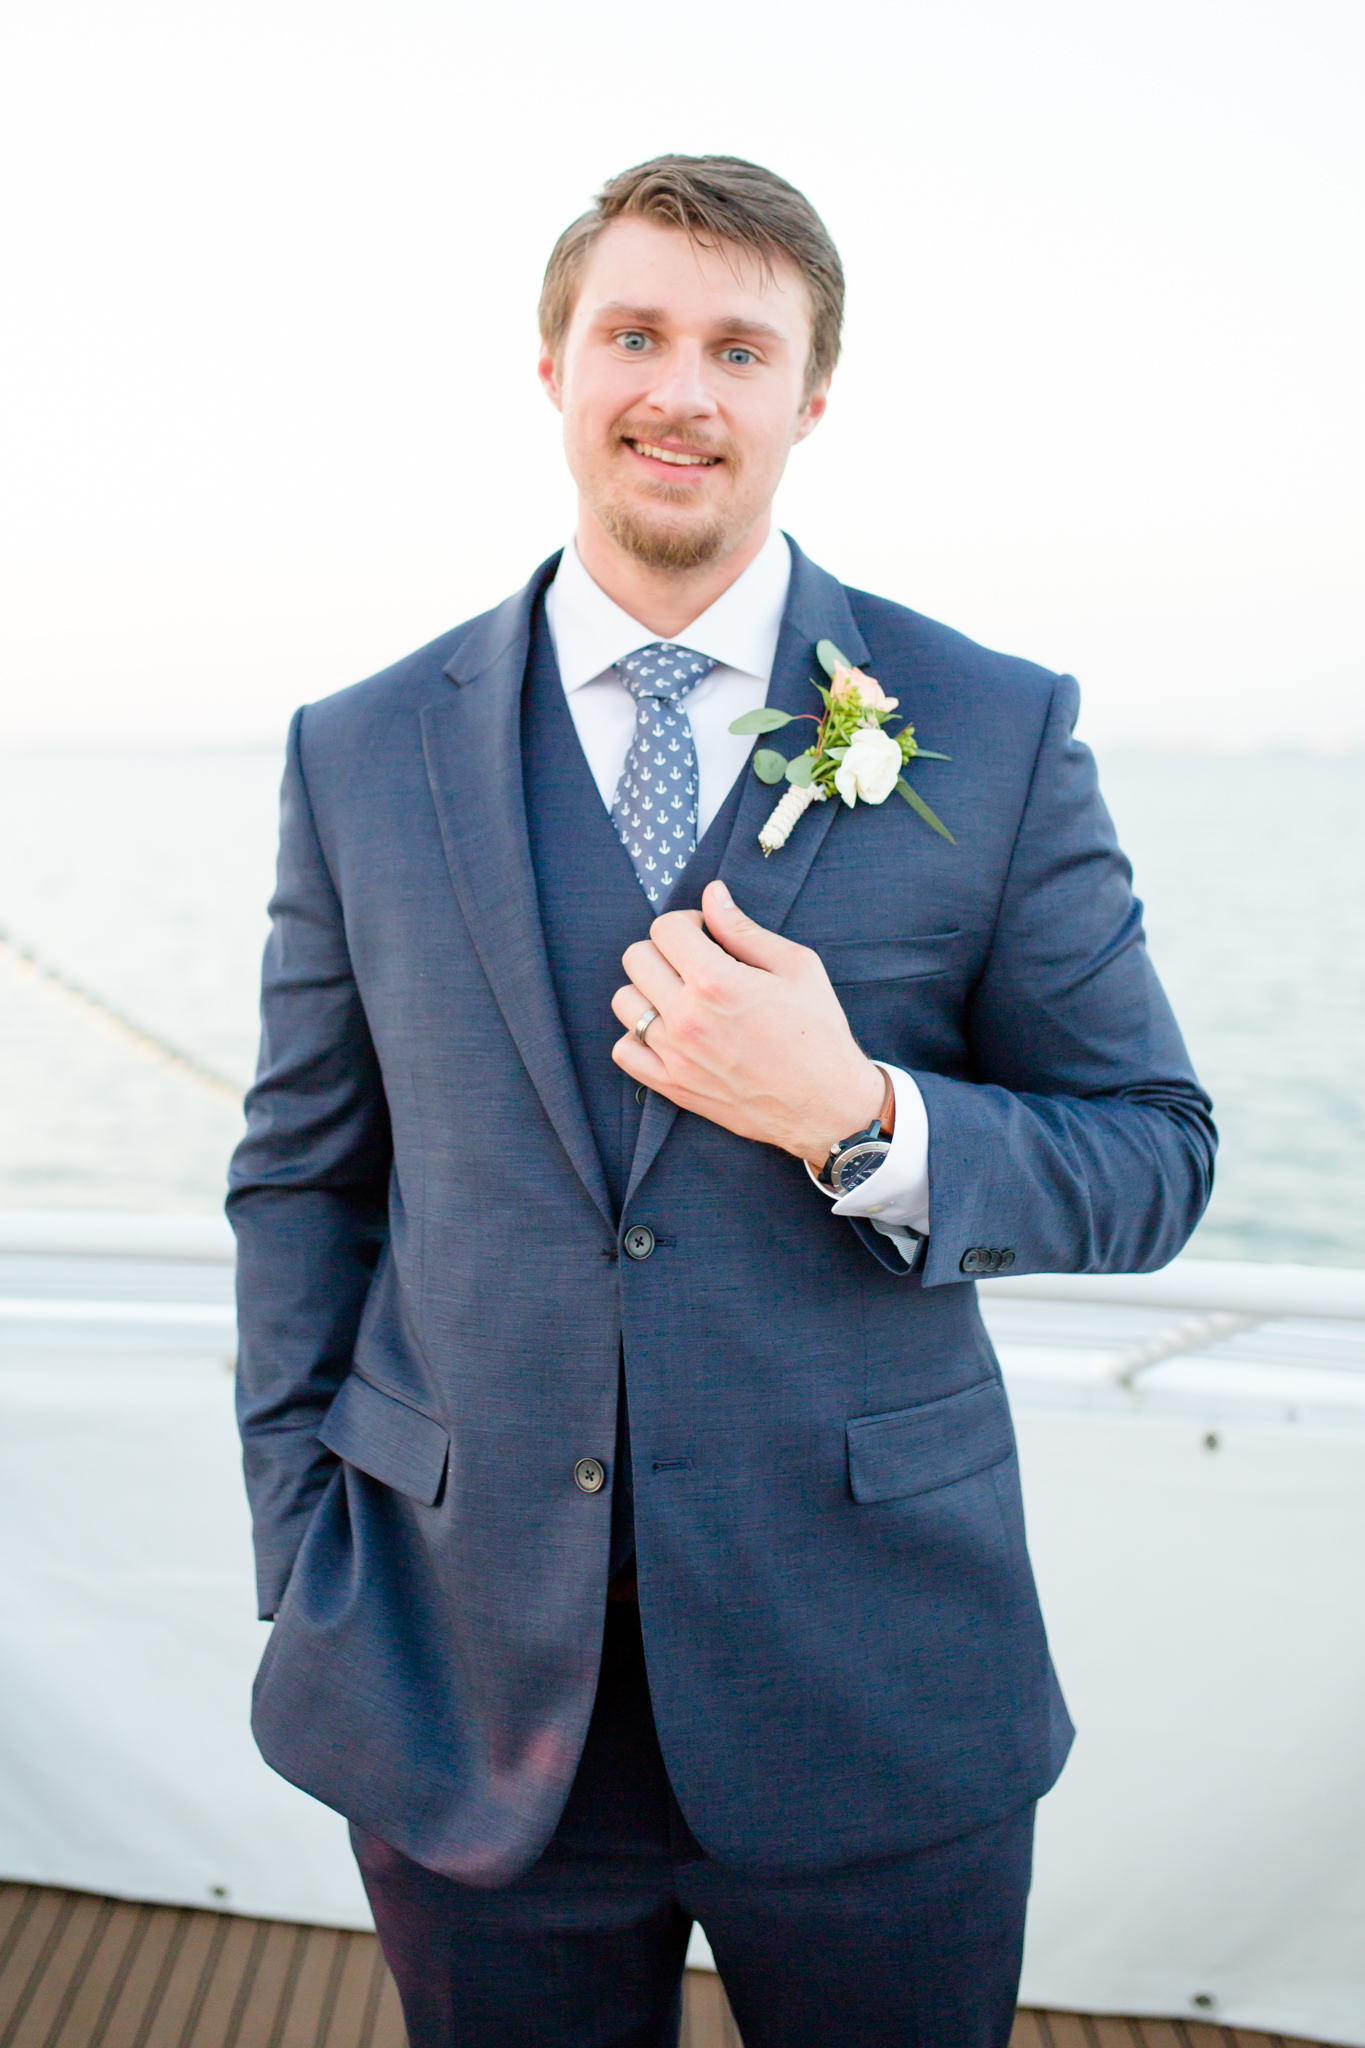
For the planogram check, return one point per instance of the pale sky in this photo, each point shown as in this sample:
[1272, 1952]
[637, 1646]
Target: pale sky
[268, 365]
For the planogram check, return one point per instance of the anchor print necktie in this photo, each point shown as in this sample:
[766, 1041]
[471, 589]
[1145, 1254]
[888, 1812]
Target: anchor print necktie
[655, 811]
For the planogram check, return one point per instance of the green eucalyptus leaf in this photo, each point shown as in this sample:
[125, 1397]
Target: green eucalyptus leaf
[768, 766]
[917, 803]
[924, 754]
[762, 720]
[801, 771]
[829, 657]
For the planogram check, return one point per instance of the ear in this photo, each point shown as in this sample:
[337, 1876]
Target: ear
[813, 411]
[548, 372]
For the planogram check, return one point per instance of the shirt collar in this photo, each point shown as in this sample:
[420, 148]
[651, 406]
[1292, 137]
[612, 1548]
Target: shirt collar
[591, 633]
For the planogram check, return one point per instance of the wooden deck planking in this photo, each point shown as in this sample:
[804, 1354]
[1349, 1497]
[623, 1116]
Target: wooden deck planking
[77, 1971]
[1108, 2030]
[84, 1972]
[707, 2019]
[49, 1991]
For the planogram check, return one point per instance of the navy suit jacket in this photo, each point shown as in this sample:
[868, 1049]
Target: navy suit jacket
[845, 1651]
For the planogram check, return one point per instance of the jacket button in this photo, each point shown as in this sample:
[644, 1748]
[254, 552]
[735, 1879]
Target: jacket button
[1006, 1259]
[639, 1241]
[973, 1261]
[589, 1476]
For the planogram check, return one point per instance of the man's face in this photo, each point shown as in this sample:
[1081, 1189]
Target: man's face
[682, 382]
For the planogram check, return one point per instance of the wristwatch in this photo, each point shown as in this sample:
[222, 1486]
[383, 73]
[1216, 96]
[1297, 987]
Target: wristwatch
[853, 1160]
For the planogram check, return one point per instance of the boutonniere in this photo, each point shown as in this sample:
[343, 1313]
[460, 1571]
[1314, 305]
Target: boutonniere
[853, 756]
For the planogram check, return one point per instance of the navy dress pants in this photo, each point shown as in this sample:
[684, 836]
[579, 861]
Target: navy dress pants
[587, 1949]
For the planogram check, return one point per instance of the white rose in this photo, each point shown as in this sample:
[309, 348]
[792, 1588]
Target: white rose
[871, 767]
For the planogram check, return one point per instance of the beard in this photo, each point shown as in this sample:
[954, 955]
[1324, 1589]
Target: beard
[664, 543]
[657, 544]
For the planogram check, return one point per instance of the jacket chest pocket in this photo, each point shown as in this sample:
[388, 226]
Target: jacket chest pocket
[852, 962]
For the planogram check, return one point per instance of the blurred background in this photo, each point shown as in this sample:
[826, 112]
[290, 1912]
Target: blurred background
[271, 421]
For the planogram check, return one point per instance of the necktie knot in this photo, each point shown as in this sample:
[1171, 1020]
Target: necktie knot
[663, 669]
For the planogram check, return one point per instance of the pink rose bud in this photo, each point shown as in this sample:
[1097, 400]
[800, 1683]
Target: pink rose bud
[851, 682]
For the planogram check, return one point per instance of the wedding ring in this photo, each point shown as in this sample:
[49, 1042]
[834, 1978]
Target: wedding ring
[642, 1025]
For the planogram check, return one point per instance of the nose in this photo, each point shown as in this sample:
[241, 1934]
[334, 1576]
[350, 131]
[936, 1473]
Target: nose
[679, 389]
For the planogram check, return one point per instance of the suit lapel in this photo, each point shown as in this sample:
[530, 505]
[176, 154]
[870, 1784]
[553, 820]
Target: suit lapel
[472, 742]
[765, 889]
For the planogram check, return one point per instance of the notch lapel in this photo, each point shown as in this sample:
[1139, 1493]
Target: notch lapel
[471, 738]
[765, 889]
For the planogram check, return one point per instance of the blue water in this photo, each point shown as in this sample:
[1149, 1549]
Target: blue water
[143, 878]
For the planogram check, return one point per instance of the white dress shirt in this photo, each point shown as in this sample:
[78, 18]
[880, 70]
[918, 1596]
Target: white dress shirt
[739, 632]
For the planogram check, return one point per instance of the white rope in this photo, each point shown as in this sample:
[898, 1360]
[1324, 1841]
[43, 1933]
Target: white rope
[29, 964]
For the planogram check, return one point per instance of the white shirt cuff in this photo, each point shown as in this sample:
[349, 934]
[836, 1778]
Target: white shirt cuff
[897, 1194]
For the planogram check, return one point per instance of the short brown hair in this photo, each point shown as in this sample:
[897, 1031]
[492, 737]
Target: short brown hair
[715, 200]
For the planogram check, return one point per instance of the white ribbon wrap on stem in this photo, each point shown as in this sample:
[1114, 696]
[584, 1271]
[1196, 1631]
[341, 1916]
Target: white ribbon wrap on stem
[778, 827]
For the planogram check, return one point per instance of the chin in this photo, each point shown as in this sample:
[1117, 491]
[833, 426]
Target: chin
[650, 536]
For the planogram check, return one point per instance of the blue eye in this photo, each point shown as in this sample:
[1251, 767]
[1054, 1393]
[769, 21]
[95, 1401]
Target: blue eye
[634, 342]
[740, 357]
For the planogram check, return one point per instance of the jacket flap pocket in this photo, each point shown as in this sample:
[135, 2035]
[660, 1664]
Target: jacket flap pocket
[886, 959]
[917, 1450]
[384, 1437]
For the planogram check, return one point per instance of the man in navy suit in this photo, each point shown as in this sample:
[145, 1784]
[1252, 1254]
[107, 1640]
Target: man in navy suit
[635, 1493]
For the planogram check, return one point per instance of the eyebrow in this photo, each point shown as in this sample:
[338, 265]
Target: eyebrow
[655, 316]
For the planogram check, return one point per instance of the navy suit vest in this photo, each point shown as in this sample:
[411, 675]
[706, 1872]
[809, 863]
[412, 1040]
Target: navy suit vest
[591, 905]
[592, 908]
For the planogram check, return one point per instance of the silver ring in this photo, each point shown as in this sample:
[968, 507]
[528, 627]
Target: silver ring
[642, 1025]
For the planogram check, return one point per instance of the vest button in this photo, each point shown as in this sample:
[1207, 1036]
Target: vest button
[589, 1476]
[639, 1241]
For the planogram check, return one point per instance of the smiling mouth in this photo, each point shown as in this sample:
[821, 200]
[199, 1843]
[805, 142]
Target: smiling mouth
[680, 458]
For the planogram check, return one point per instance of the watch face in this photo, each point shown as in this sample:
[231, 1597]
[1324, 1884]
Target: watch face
[858, 1164]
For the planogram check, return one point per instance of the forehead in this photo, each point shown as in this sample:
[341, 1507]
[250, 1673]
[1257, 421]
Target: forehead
[642, 265]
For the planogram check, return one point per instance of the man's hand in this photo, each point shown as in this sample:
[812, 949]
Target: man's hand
[749, 1033]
